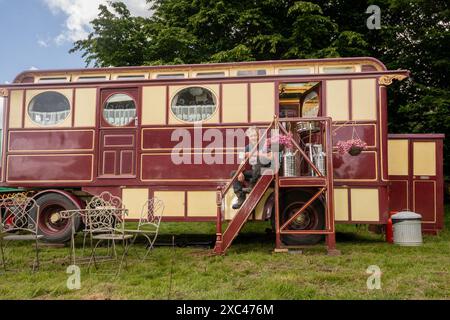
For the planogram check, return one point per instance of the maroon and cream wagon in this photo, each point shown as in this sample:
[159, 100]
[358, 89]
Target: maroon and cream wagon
[70, 134]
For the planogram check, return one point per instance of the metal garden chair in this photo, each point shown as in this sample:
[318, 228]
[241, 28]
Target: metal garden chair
[19, 221]
[148, 225]
[107, 224]
[102, 216]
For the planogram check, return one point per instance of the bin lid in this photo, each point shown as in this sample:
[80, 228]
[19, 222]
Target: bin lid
[406, 215]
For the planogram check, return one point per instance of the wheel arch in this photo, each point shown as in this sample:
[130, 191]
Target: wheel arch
[76, 201]
[269, 205]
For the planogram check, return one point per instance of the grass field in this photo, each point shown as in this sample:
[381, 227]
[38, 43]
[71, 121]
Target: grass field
[250, 270]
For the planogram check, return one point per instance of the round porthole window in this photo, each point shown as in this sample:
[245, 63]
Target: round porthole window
[119, 110]
[49, 108]
[194, 104]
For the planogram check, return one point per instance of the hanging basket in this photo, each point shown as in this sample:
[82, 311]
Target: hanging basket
[354, 151]
[353, 147]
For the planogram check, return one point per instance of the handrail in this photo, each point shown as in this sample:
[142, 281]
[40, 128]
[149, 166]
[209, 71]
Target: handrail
[244, 163]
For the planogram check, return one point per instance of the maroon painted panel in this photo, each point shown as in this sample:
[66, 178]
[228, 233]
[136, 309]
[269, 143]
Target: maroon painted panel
[50, 140]
[127, 162]
[362, 166]
[424, 199]
[162, 138]
[49, 168]
[398, 195]
[366, 133]
[162, 167]
[125, 140]
[109, 162]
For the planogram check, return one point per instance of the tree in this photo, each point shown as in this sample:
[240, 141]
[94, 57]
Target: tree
[414, 36]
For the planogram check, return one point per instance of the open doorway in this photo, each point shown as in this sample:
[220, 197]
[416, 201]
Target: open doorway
[300, 100]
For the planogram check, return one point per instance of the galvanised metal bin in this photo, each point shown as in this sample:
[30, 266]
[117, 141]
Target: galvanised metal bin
[407, 228]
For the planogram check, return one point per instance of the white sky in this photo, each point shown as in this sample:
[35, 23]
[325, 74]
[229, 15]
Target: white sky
[80, 12]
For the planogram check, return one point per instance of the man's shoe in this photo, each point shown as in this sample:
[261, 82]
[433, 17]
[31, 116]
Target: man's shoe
[238, 204]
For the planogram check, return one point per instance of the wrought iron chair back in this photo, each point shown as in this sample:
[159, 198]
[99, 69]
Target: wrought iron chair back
[103, 213]
[151, 214]
[19, 213]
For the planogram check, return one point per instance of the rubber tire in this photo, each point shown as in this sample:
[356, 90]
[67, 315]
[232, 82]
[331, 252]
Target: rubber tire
[67, 204]
[317, 208]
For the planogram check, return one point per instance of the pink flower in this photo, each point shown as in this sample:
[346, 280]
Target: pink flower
[345, 146]
[284, 140]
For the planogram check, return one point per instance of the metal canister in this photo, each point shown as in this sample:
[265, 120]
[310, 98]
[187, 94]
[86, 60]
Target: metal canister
[289, 164]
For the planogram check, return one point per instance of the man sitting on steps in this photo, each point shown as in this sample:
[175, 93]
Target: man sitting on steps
[252, 175]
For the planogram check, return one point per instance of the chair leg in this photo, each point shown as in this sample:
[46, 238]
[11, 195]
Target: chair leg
[3, 255]
[36, 264]
[125, 253]
[93, 256]
[114, 249]
[84, 242]
[149, 247]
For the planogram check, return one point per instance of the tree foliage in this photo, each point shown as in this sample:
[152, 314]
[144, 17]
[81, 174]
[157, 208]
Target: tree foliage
[415, 35]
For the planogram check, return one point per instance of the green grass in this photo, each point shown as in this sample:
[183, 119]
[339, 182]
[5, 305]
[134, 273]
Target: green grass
[250, 270]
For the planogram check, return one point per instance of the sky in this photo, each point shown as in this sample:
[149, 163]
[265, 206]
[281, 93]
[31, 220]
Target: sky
[38, 34]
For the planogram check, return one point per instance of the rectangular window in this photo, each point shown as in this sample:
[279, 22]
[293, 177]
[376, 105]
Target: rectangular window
[338, 69]
[289, 71]
[51, 80]
[132, 77]
[249, 73]
[170, 76]
[92, 78]
[210, 74]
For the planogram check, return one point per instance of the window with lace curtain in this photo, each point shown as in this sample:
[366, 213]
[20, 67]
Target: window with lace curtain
[194, 104]
[49, 108]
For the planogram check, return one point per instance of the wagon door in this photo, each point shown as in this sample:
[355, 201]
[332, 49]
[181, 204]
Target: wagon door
[119, 113]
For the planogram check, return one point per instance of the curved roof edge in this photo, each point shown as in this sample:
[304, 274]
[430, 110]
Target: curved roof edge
[24, 74]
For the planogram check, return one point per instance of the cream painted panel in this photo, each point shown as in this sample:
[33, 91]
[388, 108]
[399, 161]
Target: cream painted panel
[424, 158]
[364, 99]
[341, 204]
[134, 200]
[202, 204]
[30, 94]
[16, 109]
[365, 205]
[235, 102]
[154, 105]
[173, 90]
[398, 162]
[85, 107]
[262, 102]
[230, 198]
[173, 202]
[337, 100]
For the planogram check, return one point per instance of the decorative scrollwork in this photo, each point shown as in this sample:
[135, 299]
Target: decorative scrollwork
[152, 212]
[19, 212]
[386, 80]
[103, 213]
[3, 92]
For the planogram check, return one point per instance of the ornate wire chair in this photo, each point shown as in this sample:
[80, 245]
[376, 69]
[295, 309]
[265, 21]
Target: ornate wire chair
[105, 221]
[149, 222]
[103, 201]
[19, 221]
